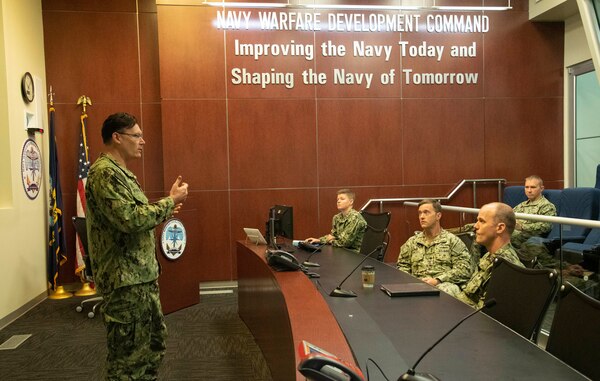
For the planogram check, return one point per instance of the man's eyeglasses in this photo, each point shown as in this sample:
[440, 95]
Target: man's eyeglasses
[136, 136]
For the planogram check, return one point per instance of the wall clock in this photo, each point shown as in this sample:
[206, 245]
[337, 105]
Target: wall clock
[31, 164]
[27, 88]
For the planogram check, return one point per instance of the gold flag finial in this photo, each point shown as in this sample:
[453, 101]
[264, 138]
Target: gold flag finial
[85, 101]
[51, 96]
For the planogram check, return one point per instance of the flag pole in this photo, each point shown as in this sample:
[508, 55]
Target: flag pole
[86, 288]
[56, 236]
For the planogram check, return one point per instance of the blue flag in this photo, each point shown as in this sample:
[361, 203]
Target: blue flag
[56, 244]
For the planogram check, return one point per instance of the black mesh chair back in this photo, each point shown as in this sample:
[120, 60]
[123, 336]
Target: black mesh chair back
[529, 263]
[467, 238]
[377, 221]
[374, 239]
[522, 295]
[575, 332]
[377, 233]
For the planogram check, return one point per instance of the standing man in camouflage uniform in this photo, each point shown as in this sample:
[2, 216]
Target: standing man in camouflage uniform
[436, 256]
[348, 226]
[120, 227]
[536, 203]
[494, 226]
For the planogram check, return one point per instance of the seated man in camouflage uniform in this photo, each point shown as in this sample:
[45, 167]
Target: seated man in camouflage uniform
[434, 255]
[348, 226]
[536, 203]
[493, 229]
[120, 227]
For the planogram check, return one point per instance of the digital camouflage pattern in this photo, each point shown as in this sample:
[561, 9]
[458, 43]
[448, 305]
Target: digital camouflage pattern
[473, 292]
[120, 227]
[541, 207]
[136, 332]
[445, 258]
[348, 230]
[120, 224]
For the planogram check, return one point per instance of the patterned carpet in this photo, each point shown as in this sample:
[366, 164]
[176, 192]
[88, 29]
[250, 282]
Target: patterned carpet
[207, 341]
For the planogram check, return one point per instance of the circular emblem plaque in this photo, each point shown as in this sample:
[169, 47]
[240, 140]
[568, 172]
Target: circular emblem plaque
[31, 165]
[173, 239]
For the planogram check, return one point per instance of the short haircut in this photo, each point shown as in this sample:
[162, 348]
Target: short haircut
[115, 123]
[535, 177]
[434, 203]
[347, 192]
[506, 215]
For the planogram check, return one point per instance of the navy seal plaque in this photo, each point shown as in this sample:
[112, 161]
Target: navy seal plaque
[31, 164]
[173, 239]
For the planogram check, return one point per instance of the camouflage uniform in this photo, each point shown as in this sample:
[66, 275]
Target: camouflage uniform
[446, 258]
[541, 207]
[473, 292]
[348, 230]
[120, 224]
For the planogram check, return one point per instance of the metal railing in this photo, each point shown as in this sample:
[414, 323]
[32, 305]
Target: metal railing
[458, 187]
[524, 216]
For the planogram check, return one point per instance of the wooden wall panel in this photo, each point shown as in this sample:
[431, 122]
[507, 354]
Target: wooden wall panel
[443, 137]
[355, 136]
[195, 143]
[207, 219]
[84, 56]
[152, 161]
[353, 65]
[446, 63]
[150, 74]
[522, 137]
[272, 143]
[192, 54]
[276, 65]
[522, 58]
[244, 149]
[92, 49]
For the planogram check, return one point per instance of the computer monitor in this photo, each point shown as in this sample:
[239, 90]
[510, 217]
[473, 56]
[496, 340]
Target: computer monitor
[281, 219]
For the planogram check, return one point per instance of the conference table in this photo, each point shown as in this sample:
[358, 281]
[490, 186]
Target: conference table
[283, 308]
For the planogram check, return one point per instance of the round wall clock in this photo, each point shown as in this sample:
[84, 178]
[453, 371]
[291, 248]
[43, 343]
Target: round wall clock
[31, 164]
[27, 88]
[173, 239]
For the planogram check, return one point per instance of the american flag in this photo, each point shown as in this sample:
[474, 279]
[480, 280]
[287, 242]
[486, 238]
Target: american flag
[82, 174]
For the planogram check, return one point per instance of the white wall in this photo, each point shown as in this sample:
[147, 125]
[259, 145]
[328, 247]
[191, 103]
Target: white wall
[22, 221]
[576, 51]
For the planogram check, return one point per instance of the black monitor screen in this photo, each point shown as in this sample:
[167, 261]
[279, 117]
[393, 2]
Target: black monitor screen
[283, 222]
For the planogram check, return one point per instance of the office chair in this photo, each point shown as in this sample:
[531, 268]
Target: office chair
[467, 237]
[514, 195]
[573, 252]
[372, 239]
[529, 263]
[574, 335]
[582, 203]
[553, 195]
[377, 223]
[522, 295]
[80, 228]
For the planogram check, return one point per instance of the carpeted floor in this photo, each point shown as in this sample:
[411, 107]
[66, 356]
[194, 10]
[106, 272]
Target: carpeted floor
[207, 341]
